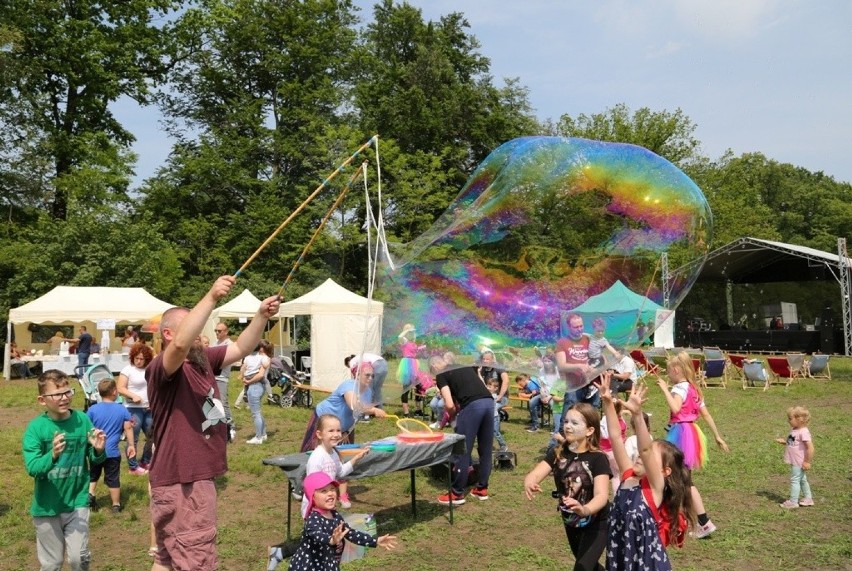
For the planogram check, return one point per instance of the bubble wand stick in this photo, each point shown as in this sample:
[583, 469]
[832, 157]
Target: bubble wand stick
[328, 214]
[301, 207]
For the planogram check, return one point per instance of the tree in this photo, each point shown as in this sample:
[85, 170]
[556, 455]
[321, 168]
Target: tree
[255, 108]
[426, 87]
[669, 135]
[61, 65]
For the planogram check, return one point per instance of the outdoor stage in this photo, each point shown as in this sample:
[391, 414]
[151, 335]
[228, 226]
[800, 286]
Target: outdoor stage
[768, 341]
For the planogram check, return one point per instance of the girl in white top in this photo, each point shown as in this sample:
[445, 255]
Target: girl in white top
[325, 458]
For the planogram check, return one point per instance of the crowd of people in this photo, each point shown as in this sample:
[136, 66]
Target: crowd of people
[630, 496]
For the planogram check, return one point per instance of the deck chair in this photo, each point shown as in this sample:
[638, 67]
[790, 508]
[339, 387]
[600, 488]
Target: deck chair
[714, 371]
[817, 367]
[713, 353]
[641, 362]
[738, 362]
[796, 361]
[782, 368]
[754, 374]
[658, 357]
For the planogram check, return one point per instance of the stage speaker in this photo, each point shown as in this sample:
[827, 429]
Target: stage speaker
[826, 331]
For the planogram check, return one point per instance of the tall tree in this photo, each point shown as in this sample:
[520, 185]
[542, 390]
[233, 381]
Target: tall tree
[61, 65]
[670, 135]
[425, 86]
[255, 109]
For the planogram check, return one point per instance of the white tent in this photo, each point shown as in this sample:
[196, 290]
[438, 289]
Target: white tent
[245, 306]
[342, 323]
[67, 305]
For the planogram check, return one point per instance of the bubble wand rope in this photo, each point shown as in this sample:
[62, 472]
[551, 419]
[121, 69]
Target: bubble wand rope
[322, 223]
[302, 206]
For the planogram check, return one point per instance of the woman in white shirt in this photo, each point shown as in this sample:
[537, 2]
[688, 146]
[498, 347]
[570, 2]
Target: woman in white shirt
[133, 387]
[253, 375]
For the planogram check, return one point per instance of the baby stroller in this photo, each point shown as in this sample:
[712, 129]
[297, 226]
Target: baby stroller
[89, 376]
[287, 378]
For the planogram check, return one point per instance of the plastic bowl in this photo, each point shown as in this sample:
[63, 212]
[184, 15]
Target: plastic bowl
[420, 437]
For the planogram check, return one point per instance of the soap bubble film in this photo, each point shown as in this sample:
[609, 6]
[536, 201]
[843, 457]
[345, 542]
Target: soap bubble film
[547, 227]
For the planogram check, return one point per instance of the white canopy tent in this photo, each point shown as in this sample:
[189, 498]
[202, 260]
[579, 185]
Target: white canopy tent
[342, 323]
[68, 305]
[245, 306]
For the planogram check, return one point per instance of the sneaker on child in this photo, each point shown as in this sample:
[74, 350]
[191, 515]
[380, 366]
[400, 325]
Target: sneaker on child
[345, 502]
[705, 530]
[138, 471]
[789, 505]
[254, 440]
[806, 502]
[480, 493]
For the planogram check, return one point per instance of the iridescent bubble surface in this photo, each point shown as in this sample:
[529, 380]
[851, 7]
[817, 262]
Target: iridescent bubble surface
[543, 226]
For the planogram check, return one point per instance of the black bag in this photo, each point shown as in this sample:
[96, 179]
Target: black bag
[505, 460]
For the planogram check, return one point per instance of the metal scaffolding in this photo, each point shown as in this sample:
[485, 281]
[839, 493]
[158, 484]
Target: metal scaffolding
[845, 279]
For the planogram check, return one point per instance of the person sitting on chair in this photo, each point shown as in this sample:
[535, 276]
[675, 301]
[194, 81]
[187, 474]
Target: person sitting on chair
[18, 365]
[624, 374]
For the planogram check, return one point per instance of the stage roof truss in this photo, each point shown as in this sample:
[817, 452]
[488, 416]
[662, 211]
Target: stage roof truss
[751, 260]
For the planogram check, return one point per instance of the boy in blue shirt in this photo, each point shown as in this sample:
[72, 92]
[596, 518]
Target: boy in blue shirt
[113, 418]
[527, 386]
[57, 446]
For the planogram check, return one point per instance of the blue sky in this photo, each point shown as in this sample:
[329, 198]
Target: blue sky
[771, 76]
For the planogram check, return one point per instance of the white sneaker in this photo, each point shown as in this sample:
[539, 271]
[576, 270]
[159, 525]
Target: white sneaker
[435, 425]
[255, 440]
[704, 530]
[263, 438]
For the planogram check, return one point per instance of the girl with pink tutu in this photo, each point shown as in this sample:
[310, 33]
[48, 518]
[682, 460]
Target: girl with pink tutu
[408, 370]
[686, 404]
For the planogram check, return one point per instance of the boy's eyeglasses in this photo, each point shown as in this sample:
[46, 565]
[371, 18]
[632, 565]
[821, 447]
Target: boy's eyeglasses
[57, 396]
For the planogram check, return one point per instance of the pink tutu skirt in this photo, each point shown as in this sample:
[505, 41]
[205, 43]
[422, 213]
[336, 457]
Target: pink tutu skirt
[688, 437]
[407, 371]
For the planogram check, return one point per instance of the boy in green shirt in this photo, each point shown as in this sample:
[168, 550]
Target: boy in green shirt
[57, 448]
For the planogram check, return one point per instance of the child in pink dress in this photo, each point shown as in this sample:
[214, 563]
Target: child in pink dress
[409, 369]
[798, 454]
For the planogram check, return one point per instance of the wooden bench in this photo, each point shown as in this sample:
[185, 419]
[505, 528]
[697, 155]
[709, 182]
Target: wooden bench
[524, 400]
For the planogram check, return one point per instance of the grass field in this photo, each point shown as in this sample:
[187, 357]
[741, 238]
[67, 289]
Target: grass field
[741, 490]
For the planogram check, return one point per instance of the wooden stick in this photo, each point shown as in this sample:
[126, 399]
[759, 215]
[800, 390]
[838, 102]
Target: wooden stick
[304, 204]
[328, 214]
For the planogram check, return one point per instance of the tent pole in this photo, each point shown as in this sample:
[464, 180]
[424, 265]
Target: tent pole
[7, 351]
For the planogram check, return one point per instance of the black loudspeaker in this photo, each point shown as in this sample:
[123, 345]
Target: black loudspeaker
[826, 331]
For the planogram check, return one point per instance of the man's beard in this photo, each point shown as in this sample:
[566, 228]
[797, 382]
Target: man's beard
[198, 357]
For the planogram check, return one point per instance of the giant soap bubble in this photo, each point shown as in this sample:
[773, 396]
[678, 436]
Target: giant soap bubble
[548, 228]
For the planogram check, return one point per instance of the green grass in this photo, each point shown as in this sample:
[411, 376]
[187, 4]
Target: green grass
[741, 491]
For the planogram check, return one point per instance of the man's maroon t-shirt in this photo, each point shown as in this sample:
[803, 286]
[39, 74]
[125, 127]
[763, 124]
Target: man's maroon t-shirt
[190, 432]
